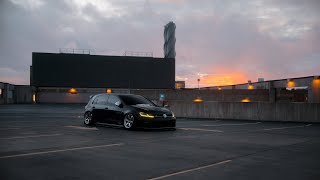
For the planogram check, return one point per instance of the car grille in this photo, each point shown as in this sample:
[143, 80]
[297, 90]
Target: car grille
[162, 115]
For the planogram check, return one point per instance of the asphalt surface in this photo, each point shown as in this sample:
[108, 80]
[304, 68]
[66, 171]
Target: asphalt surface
[51, 142]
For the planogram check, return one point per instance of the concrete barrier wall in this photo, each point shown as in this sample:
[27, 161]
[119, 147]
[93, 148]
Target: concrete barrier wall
[229, 95]
[61, 95]
[294, 112]
[55, 97]
[7, 93]
[23, 94]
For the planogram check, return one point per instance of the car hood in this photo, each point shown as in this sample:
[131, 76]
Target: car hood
[152, 109]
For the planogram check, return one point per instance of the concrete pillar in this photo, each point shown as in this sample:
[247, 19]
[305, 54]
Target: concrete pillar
[5, 93]
[272, 92]
[2, 93]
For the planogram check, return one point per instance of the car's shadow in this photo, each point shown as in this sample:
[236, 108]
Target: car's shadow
[145, 129]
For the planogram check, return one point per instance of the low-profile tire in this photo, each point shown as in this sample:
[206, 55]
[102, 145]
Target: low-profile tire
[128, 121]
[88, 120]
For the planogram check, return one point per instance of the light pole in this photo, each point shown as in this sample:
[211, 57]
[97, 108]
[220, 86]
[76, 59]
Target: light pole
[198, 84]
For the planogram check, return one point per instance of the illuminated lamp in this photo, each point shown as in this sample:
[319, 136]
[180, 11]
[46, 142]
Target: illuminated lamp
[250, 86]
[73, 91]
[34, 98]
[316, 82]
[109, 91]
[290, 83]
[245, 100]
[179, 85]
[198, 100]
[146, 115]
[219, 88]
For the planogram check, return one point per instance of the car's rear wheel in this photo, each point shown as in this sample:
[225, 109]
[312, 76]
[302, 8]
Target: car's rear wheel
[88, 119]
[128, 121]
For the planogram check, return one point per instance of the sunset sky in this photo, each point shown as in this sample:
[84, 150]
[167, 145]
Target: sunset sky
[221, 42]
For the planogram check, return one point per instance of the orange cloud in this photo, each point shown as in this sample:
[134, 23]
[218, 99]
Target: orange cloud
[223, 79]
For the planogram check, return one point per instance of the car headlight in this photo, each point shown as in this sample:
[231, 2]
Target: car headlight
[173, 115]
[146, 115]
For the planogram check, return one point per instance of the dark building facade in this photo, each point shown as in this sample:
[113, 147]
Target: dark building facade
[96, 71]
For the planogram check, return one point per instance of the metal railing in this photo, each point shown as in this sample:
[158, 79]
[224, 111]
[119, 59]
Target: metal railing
[74, 51]
[88, 51]
[141, 54]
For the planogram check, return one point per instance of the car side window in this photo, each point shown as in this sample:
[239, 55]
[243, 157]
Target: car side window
[112, 100]
[95, 100]
[101, 100]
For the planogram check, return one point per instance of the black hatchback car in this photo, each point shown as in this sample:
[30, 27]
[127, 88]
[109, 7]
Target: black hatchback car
[127, 110]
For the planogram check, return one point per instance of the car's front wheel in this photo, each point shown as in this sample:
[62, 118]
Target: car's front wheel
[128, 121]
[88, 119]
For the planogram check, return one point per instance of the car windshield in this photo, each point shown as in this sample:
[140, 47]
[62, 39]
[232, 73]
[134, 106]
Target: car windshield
[135, 100]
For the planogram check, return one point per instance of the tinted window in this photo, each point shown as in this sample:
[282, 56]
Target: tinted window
[134, 100]
[101, 100]
[95, 100]
[113, 99]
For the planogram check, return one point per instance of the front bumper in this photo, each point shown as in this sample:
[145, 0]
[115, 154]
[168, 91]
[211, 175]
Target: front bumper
[156, 122]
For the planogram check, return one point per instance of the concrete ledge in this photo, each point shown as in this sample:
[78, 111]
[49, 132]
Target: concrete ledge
[258, 111]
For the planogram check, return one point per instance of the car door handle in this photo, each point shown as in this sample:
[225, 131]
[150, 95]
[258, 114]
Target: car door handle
[93, 107]
[105, 108]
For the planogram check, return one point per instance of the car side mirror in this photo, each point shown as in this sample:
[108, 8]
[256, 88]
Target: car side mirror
[166, 105]
[119, 104]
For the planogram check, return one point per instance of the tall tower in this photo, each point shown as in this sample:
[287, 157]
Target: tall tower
[169, 40]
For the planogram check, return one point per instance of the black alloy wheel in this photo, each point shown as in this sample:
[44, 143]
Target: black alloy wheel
[128, 121]
[88, 119]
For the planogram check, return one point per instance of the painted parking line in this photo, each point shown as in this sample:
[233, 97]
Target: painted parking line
[53, 116]
[82, 128]
[289, 127]
[60, 150]
[239, 124]
[34, 136]
[188, 122]
[189, 170]
[4, 116]
[199, 129]
[9, 128]
[59, 116]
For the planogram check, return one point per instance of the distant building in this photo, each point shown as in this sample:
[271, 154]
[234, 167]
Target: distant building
[169, 40]
[260, 79]
[180, 84]
[95, 71]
